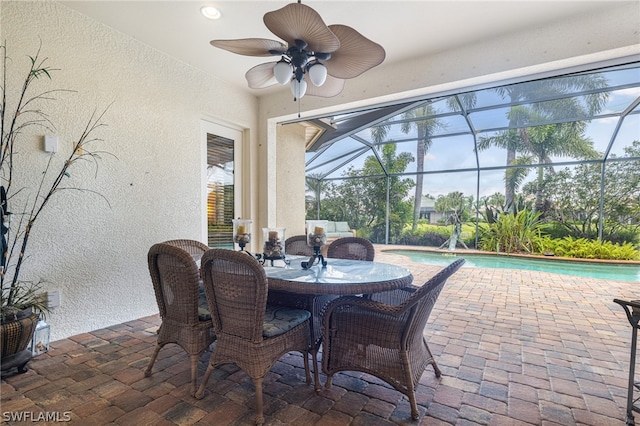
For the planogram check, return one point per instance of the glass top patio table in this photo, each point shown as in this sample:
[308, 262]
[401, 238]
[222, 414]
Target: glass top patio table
[339, 277]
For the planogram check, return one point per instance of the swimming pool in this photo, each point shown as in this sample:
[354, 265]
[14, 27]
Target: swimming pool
[607, 271]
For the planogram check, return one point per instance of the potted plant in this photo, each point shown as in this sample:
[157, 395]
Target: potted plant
[23, 108]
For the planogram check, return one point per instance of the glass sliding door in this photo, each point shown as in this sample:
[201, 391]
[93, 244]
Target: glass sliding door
[221, 189]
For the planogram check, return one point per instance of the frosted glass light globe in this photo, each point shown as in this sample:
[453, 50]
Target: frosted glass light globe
[317, 74]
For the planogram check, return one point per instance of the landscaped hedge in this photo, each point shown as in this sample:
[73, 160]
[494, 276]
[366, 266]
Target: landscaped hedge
[589, 249]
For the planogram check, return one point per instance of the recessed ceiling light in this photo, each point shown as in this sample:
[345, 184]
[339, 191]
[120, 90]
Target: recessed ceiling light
[210, 12]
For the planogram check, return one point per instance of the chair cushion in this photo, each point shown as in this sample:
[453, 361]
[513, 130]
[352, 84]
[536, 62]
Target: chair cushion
[331, 227]
[279, 319]
[204, 314]
[342, 227]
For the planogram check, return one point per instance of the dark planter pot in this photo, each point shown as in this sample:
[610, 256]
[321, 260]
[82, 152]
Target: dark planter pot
[15, 336]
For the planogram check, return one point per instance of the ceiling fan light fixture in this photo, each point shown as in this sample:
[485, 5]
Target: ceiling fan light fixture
[298, 88]
[283, 71]
[315, 58]
[210, 12]
[317, 73]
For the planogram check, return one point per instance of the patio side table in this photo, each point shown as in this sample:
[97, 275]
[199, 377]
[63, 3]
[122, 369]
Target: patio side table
[632, 309]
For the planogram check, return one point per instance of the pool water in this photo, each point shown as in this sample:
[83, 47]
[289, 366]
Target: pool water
[618, 272]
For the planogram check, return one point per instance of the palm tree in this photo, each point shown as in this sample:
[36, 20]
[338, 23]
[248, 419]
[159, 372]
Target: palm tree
[537, 145]
[518, 137]
[315, 185]
[425, 128]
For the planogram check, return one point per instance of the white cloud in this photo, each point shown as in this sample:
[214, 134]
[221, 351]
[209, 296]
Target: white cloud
[631, 92]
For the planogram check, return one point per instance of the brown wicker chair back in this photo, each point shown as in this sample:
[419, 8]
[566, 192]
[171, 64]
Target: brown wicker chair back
[193, 247]
[176, 282]
[383, 336]
[354, 248]
[297, 245]
[236, 288]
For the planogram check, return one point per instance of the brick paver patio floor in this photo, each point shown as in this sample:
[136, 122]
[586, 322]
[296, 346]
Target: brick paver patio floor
[515, 348]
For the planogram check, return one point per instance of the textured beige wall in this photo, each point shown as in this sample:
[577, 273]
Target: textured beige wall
[93, 253]
[290, 179]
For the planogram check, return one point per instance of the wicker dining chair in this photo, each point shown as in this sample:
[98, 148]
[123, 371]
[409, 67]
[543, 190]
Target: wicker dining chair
[381, 339]
[176, 283]
[196, 249]
[297, 245]
[193, 247]
[251, 334]
[355, 248]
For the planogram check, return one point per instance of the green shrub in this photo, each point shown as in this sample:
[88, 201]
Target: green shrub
[612, 232]
[513, 233]
[591, 249]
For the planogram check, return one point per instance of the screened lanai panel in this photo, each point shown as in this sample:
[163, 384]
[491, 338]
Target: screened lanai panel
[490, 119]
[493, 110]
[537, 90]
[387, 158]
[492, 151]
[600, 132]
[492, 182]
[450, 153]
[623, 78]
[574, 193]
[343, 148]
[583, 86]
[442, 184]
[445, 105]
[530, 114]
[628, 133]
[619, 100]
[333, 168]
[628, 139]
[405, 129]
[408, 148]
[603, 130]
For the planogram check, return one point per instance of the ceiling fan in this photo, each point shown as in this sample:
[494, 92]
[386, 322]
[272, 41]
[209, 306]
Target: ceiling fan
[316, 58]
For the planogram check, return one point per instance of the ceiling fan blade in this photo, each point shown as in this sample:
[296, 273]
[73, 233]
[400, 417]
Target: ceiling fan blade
[251, 46]
[297, 21]
[356, 55]
[331, 87]
[261, 76]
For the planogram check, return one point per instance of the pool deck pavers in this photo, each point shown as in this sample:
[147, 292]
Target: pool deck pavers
[515, 348]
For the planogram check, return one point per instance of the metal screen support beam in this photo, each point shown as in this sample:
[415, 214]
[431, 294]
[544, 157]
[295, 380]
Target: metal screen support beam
[386, 225]
[475, 150]
[624, 115]
[317, 200]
